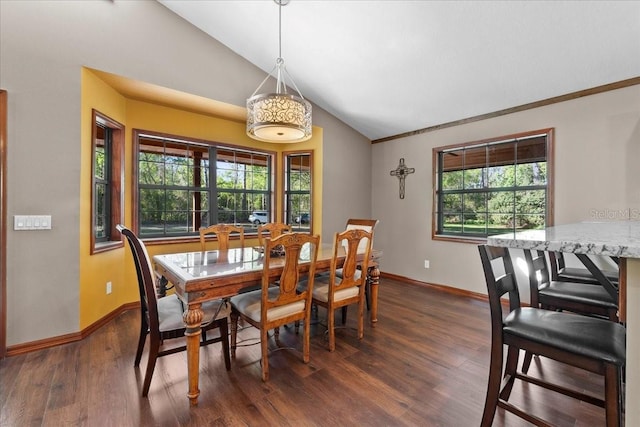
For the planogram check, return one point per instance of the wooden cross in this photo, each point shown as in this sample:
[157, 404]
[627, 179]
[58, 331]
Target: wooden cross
[401, 172]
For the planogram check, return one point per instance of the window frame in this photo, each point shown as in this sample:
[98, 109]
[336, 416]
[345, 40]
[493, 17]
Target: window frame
[114, 202]
[287, 211]
[213, 190]
[436, 216]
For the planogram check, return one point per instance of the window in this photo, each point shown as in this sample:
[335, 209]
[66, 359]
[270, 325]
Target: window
[107, 177]
[175, 195]
[493, 186]
[298, 205]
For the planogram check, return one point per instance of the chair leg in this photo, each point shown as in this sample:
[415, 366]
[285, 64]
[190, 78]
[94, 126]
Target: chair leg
[367, 294]
[331, 328]
[224, 336]
[144, 330]
[234, 333]
[264, 350]
[154, 347]
[493, 386]
[305, 345]
[361, 319]
[526, 363]
[276, 335]
[613, 395]
[510, 371]
[344, 315]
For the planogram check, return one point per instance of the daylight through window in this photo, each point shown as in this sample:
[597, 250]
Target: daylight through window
[177, 195]
[106, 187]
[493, 187]
[298, 206]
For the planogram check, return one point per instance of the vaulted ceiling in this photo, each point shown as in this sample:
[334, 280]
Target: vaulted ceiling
[391, 67]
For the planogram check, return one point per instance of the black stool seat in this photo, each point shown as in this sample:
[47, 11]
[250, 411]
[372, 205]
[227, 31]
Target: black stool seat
[578, 293]
[584, 275]
[592, 299]
[560, 271]
[594, 338]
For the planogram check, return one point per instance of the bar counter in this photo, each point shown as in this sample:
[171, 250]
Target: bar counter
[620, 239]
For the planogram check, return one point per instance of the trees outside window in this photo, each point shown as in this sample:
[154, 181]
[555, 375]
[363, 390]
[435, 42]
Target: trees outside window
[176, 195]
[493, 186]
[107, 177]
[298, 186]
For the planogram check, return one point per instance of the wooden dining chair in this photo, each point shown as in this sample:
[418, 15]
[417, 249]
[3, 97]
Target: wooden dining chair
[593, 344]
[362, 224]
[273, 306]
[273, 229]
[223, 233]
[333, 292]
[367, 225]
[161, 318]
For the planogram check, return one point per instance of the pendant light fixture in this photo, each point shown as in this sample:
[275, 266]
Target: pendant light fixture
[279, 117]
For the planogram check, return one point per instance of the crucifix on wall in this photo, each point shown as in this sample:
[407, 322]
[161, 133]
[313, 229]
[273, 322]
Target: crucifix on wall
[401, 172]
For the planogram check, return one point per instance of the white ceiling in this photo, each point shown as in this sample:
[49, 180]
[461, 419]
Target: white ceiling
[390, 67]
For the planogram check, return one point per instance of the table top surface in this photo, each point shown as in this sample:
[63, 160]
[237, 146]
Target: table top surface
[193, 266]
[616, 238]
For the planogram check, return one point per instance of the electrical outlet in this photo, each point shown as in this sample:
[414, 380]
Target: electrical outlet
[108, 288]
[426, 263]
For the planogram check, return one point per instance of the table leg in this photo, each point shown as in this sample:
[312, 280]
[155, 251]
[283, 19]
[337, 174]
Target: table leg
[193, 319]
[374, 277]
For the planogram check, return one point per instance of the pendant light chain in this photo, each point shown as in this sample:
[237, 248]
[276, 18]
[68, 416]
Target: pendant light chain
[280, 116]
[280, 29]
[281, 86]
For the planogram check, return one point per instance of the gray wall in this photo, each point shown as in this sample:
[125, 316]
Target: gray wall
[43, 46]
[597, 150]
[346, 176]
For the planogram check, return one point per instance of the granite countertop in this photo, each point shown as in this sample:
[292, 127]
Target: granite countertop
[616, 238]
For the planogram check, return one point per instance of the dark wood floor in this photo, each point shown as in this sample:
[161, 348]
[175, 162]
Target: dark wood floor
[425, 364]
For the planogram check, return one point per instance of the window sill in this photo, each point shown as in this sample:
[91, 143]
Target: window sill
[106, 246]
[460, 239]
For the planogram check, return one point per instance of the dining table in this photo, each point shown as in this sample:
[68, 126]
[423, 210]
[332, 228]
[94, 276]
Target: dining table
[202, 276]
[619, 239]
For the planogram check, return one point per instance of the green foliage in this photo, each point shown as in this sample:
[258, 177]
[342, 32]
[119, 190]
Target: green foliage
[499, 208]
[298, 186]
[174, 188]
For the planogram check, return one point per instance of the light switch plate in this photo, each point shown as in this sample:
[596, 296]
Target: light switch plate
[32, 222]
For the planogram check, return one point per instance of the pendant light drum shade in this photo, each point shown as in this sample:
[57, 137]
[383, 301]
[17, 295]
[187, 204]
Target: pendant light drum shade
[278, 117]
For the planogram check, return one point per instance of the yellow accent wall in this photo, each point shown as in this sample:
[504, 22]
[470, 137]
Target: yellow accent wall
[117, 265]
[96, 270]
